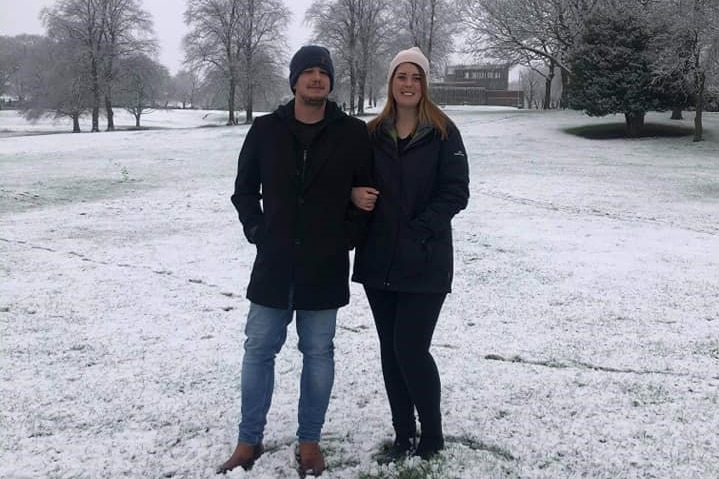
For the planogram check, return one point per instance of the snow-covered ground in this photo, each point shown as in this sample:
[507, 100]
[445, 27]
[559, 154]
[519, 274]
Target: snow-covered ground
[12, 124]
[581, 339]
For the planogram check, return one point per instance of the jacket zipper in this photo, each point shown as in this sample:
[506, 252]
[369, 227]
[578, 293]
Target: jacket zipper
[304, 166]
[397, 234]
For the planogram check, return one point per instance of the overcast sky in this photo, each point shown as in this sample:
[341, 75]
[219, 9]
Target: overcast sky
[21, 16]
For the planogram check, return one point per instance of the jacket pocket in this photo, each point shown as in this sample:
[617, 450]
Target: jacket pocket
[413, 253]
[256, 234]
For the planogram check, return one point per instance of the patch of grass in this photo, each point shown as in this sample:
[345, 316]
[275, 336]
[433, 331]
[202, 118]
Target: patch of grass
[709, 190]
[611, 131]
[410, 469]
[460, 460]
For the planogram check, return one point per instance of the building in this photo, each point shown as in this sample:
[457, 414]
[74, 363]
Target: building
[476, 85]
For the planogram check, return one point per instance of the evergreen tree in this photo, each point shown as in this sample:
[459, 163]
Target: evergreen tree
[612, 68]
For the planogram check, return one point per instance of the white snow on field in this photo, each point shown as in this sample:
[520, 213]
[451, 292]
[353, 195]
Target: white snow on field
[581, 338]
[12, 124]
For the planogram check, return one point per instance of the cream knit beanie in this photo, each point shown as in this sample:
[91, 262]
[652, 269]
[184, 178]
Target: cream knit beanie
[411, 55]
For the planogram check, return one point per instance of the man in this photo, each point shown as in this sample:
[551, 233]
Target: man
[294, 179]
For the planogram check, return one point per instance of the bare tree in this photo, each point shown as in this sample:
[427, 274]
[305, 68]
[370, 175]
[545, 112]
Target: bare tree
[430, 25]
[212, 92]
[691, 48]
[336, 24]
[372, 32]
[10, 61]
[127, 30]
[19, 58]
[226, 36]
[527, 32]
[102, 30]
[274, 89]
[56, 86]
[213, 41]
[79, 22]
[140, 82]
[262, 39]
[355, 31]
[529, 81]
[186, 84]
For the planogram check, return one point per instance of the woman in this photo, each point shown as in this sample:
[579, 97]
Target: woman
[405, 263]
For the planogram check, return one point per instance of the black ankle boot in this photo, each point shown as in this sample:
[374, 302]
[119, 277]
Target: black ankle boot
[429, 446]
[402, 447]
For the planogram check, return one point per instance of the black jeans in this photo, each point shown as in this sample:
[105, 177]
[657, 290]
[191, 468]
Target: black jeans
[405, 324]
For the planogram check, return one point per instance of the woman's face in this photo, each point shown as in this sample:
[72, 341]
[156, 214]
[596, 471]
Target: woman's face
[407, 85]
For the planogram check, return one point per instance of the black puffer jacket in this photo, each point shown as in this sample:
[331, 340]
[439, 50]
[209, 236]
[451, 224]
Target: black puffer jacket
[408, 247]
[306, 223]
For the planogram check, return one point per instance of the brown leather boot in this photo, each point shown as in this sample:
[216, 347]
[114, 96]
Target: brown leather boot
[309, 459]
[244, 456]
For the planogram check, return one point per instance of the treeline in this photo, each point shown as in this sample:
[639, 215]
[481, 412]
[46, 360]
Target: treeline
[98, 55]
[600, 56]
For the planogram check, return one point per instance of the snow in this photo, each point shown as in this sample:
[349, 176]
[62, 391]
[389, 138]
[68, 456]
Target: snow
[581, 338]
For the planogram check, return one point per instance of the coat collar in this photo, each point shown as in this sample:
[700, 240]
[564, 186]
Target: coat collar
[286, 112]
[423, 130]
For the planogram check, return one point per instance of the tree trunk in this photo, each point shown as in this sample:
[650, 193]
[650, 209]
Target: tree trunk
[530, 97]
[249, 108]
[548, 87]
[432, 24]
[231, 103]
[108, 111]
[564, 99]
[95, 96]
[698, 127]
[108, 77]
[634, 124]
[677, 114]
[137, 118]
[353, 87]
[547, 93]
[75, 123]
[360, 94]
[362, 76]
[249, 92]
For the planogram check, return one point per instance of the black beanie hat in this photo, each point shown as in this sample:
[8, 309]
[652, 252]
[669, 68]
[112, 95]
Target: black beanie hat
[311, 56]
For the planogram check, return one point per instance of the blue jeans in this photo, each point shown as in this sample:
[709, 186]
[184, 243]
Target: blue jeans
[266, 331]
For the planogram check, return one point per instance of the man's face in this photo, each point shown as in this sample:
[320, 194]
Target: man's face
[313, 86]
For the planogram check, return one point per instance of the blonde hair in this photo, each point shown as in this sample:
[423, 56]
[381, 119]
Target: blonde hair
[428, 111]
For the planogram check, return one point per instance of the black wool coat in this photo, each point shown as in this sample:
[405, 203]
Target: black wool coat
[295, 206]
[408, 247]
